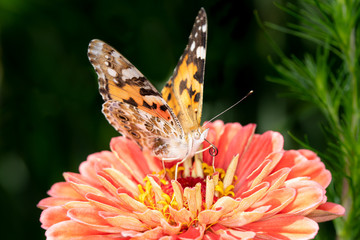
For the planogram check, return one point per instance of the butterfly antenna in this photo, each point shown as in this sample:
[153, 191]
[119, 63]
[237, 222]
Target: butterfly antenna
[251, 91]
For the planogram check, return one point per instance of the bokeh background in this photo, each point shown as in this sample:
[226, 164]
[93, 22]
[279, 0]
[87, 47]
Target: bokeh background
[50, 108]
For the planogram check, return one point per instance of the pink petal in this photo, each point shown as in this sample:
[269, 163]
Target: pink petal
[192, 233]
[90, 217]
[130, 154]
[52, 202]
[209, 216]
[150, 217]
[124, 222]
[226, 205]
[253, 195]
[254, 178]
[277, 200]
[309, 195]
[232, 234]
[52, 216]
[64, 190]
[151, 234]
[170, 229]
[130, 204]
[182, 216]
[326, 212]
[104, 203]
[237, 143]
[284, 227]
[278, 178]
[305, 163]
[229, 131]
[258, 150]
[83, 189]
[71, 230]
[239, 219]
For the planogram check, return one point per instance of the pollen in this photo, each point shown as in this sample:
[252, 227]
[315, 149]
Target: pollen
[193, 193]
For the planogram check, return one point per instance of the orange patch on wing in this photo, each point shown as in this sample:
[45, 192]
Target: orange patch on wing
[127, 92]
[185, 88]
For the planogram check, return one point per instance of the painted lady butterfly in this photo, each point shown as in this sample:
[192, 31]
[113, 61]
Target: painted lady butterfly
[167, 124]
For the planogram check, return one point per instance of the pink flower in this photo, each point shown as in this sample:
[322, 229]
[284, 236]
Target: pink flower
[258, 191]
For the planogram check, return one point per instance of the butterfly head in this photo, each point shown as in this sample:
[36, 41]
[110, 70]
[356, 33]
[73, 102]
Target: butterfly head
[198, 137]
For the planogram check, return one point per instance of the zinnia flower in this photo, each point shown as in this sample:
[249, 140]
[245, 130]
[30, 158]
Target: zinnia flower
[257, 191]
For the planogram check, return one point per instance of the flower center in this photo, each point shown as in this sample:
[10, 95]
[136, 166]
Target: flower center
[194, 193]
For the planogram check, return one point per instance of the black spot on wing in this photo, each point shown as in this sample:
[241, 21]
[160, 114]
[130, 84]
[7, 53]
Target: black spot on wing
[168, 97]
[191, 92]
[197, 97]
[163, 108]
[145, 104]
[131, 101]
[147, 91]
[182, 86]
[119, 82]
[154, 106]
[136, 81]
[199, 76]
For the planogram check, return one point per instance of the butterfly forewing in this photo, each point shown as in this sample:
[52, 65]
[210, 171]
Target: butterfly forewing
[184, 91]
[120, 80]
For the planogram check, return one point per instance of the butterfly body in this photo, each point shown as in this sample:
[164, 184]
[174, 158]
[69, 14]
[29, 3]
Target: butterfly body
[167, 124]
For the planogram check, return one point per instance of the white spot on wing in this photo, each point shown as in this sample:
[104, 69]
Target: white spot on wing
[112, 72]
[192, 47]
[129, 73]
[204, 27]
[200, 52]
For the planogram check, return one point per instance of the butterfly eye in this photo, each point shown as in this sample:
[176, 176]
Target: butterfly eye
[196, 135]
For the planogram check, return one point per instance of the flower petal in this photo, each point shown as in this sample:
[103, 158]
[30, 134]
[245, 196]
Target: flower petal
[193, 233]
[239, 219]
[72, 230]
[326, 212]
[91, 218]
[131, 204]
[131, 156]
[182, 216]
[64, 190]
[309, 195]
[124, 222]
[52, 216]
[277, 200]
[232, 234]
[285, 227]
[150, 217]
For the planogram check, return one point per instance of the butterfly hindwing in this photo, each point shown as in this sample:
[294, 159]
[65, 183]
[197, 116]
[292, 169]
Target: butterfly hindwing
[146, 129]
[184, 91]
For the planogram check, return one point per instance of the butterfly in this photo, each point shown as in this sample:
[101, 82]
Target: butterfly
[166, 123]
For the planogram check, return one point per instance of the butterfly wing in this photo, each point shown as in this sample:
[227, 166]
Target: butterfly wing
[184, 91]
[146, 129]
[120, 80]
[131, 98]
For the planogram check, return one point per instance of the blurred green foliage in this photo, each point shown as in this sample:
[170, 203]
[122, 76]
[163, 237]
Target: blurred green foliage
[50, 117]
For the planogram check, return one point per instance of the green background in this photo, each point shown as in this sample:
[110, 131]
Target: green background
[50, 117]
